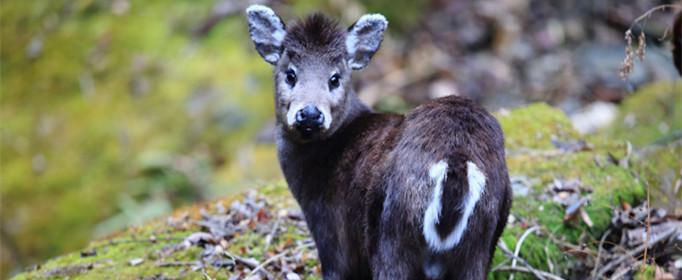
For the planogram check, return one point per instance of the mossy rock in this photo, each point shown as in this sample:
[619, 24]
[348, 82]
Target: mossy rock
[530, 131]
[535, 126]
[651, 115]
[651, 121]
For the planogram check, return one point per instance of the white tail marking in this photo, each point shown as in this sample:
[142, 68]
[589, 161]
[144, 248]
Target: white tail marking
[438, 174]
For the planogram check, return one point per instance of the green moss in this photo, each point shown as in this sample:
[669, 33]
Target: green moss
[651, 119]
[115, 253]
[79, 112]
[653, 113]
[529, 134]
[534, 126]
[113, 257]
[611, 185]
[646, 272]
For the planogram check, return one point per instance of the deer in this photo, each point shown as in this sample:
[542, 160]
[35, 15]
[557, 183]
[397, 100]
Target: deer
[425, 195]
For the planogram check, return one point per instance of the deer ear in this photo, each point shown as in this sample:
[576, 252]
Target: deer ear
[364, 38]
[267, 32]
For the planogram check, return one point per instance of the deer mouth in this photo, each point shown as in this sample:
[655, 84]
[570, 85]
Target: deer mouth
[308, 132]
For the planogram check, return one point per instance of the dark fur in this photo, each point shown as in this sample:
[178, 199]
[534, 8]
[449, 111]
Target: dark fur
[316, 34]
[365, 186]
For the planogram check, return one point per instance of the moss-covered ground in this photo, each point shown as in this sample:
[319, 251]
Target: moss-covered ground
[609, 171]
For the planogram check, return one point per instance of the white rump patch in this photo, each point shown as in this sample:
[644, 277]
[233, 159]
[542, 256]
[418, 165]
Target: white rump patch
[438, 172]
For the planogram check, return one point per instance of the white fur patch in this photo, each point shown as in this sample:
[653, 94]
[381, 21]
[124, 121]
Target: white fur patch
[291, 114]
[297, 106]
[272, 58]
[438, 172]
[327, 117]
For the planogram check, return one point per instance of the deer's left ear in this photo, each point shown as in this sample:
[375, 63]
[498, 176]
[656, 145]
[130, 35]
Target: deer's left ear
[364, 39]
[267, 32]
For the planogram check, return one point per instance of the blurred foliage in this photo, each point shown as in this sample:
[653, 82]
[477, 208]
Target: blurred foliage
[402, 14]
[113, 112]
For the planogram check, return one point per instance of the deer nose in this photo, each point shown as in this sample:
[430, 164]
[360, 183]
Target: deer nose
[309, 118]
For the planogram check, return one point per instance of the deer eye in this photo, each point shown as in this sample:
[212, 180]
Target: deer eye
[334, 81]
[291, 77]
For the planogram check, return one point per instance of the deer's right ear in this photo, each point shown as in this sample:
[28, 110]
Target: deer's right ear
[267, 32]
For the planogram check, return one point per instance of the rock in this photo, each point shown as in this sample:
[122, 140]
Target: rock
[593, 117]
[136, 262]
[293, 276]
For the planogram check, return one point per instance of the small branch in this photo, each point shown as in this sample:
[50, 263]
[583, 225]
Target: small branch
[599, 250]
[271, 235]
[619, 274]
[251, 264]
[268, 261]
[648, 223]
[525, 263]
[171, 264]
[651, 11]
[635, 252]
[275, 257]
[206, 276]
[628, 63]
[517, 250]
[550, 264]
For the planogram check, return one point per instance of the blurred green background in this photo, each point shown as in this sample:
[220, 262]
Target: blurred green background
[116, 112]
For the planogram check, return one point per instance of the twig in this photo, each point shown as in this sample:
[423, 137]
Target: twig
[251, 264]
[530, 271]
[167, 264]
[525, 263]
[268, 261]
[571, 248]
[601, 245]
[501, 264]
[651, 11]
[648, 222]
[619, 274]
[208, 277]
[275, 257]
[628, 62]
[271, 235]
[517, 250]
[550, 264]
[635, 252]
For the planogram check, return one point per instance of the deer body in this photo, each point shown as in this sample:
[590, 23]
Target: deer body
[386, 196]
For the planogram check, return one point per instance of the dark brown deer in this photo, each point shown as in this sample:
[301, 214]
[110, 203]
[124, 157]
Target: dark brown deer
[386, 196]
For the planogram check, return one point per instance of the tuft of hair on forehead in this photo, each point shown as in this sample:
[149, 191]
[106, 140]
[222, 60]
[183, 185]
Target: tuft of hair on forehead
[316, 33]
